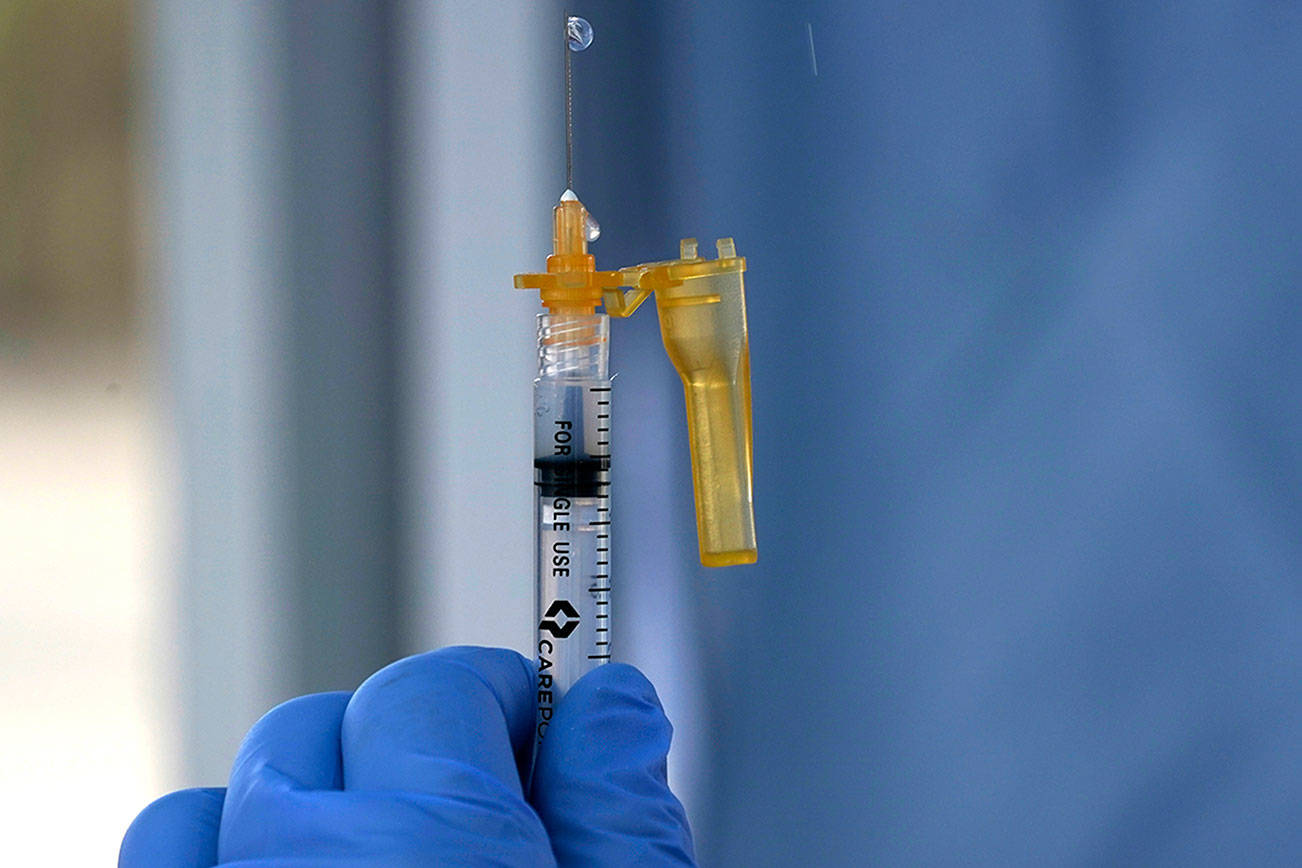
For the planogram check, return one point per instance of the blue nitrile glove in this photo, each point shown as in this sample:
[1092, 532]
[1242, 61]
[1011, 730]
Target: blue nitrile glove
[423, 766]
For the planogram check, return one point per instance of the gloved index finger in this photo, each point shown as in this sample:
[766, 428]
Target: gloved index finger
[448, 722]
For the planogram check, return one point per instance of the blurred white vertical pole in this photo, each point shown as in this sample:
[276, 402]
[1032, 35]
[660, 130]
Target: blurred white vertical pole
[271, 169]
[217, 208]
[482, 138]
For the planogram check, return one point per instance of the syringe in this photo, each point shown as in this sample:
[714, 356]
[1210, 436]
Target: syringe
[703, 324]
[702, 309]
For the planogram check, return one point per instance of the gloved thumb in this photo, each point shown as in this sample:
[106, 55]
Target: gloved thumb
[600, 782]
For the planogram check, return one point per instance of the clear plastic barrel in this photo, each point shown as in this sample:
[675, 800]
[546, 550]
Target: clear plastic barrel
[572, 401]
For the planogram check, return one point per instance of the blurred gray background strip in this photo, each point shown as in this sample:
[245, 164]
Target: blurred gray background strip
[272, 224]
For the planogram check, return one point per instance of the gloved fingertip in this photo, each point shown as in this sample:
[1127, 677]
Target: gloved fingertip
[178, 830]
[615, 707]
[615, 685]
[512, 668]
[423, 718]
[611, 716]
[484, 657]
[600, 778]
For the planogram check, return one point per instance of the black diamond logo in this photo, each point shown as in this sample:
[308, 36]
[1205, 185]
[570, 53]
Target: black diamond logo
[561, 619]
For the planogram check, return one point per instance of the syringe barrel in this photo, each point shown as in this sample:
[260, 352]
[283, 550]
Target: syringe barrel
[572, 403]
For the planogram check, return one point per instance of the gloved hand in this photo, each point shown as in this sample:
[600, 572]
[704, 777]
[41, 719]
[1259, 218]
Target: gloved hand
[423, 765]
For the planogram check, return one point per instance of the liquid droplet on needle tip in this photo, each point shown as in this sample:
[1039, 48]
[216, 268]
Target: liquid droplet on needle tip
[578, 32]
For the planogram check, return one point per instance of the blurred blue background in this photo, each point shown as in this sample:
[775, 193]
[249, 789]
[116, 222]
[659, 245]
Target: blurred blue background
[1025, 288]
[1025, 305]
[1025, 297]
